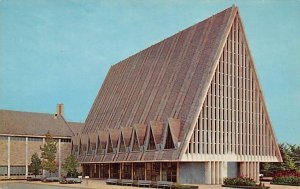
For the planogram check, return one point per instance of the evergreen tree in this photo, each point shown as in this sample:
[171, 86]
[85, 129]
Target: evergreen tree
[290, 160]
[70, 166]
[48, 154]
[35, 165]
[286, 153]
[295, 155]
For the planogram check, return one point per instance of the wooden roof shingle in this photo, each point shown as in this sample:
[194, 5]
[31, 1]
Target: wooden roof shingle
[168, 80]
[76, 127]
[34, 124]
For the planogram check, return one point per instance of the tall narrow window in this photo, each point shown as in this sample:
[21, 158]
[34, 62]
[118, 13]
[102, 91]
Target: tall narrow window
[126, 170]
[139, 171]
[169, 140]
[153, 171]
[121, 145]
[135, 146]
[151, 145]
[90, 148]
[99, 150]
[109, 146]
[115, 170]
[80, 148]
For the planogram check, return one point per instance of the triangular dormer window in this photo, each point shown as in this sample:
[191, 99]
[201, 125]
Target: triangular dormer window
[135, 145]
[89, 147]
[121, 144]
[80, 148]
[169, 140]
[109, 146]
[99, 150]
[151, 144]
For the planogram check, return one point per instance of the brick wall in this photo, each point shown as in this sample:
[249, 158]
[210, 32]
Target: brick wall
[65, 151]
[17, 152]
[33, 146]
[3, 152]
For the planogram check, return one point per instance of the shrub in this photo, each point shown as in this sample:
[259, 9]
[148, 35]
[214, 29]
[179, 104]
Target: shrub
[239, 181]
[180, 186]
[33, 179]
[261, 187]
[286, 180]
[287, 173]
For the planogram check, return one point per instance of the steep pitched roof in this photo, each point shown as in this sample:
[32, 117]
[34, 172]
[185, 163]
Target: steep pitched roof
[167, 80]
[29, 123]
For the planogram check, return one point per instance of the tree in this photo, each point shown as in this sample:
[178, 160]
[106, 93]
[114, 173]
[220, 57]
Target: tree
[35, 165]
[295, 155]
[286, 154]
[290, 160]
[48, 154]
[70, 166]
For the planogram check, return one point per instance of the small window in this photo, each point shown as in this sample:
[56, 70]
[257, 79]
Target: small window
[3, 170]
[17, 170]
[18, 138]
[3, 137]
[66, 140]
[35, 139]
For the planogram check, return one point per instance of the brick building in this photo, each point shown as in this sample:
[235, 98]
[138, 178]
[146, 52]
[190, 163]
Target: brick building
[188, 109]
[22, 134]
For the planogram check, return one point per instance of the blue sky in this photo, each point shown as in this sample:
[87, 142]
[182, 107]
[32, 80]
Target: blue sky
[60, 51]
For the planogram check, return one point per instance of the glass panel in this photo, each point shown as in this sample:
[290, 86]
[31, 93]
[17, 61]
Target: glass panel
[17, 170]
[169, 171]
[115, 170]
[139, 171]
[104, 171]
[152, 171]
[126, 171]
[3, 170]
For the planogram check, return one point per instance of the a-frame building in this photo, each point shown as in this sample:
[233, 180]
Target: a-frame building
[194, 106]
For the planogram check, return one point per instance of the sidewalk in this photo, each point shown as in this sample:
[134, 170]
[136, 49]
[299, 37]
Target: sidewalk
[93, 184]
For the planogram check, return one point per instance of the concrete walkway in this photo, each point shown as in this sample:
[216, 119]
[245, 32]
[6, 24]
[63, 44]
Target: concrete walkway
[93, 184]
